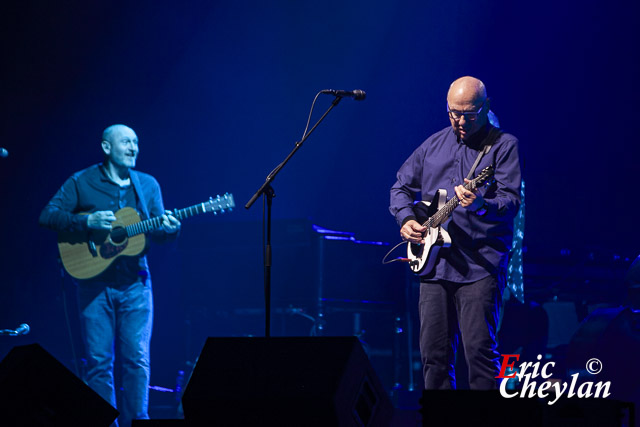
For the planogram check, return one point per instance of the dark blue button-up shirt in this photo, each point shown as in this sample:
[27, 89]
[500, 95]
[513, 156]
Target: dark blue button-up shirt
[479, 244]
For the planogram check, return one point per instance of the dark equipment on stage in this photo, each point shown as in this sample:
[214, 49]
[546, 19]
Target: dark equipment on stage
[37, 390]
[285, 381]
[333, 285]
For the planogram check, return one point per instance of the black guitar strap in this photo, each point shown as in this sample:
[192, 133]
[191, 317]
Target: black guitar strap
[135, 180]
[491, 138]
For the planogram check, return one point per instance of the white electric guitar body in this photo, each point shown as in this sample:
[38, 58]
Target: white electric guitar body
[434, 215]
[423, 257]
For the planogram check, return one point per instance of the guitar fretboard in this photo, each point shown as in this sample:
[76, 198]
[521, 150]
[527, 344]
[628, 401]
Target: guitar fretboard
[443, 213]
[156, 222]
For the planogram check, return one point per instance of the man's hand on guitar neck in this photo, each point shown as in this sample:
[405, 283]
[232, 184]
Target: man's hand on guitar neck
[469, 199]
[413, 232]
[170, 223]
[100, 220]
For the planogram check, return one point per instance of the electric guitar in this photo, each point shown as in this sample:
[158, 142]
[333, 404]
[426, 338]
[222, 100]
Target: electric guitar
[87, 254]
[423, 257]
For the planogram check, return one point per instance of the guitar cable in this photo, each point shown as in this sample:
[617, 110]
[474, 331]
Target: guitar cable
[401, 259]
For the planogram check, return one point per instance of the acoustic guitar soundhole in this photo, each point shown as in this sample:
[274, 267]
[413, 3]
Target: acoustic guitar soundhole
[116, 243]
[118, 235]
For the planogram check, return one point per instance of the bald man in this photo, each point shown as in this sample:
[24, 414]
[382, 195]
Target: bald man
[460, 297]
[115, 306]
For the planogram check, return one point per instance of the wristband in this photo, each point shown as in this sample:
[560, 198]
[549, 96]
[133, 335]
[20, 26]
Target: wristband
[482, 210]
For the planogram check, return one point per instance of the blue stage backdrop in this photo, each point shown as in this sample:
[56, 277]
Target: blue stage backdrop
[219, 92]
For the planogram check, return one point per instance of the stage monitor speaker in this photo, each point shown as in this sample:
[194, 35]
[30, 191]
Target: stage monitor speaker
[37, 390]
[285, 381]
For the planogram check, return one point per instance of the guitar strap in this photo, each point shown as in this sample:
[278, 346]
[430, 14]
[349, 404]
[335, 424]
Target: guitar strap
[491, 138]
[135, 180]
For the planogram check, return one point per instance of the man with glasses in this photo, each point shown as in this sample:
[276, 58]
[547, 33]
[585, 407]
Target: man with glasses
[116, 306]
[460, 297]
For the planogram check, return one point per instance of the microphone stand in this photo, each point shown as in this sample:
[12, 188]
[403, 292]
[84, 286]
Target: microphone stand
[267, 191]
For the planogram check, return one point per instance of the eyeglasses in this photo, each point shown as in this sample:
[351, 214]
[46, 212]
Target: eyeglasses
[469, 116]
[127, 140]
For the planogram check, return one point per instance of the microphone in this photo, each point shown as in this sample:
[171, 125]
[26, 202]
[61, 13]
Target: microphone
[23, 329]
[356, 94]
[4, 152]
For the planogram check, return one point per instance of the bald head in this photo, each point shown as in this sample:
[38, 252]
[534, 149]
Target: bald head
[466, 97]
[113, 130]
[467, 89]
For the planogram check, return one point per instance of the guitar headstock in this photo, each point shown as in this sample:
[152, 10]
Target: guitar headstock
[483, 177]
[220, 204]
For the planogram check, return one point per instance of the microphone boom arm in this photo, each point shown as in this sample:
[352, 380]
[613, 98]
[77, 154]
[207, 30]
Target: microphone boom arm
[275, 172]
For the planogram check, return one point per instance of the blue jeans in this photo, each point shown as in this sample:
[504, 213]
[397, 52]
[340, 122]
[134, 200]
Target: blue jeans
[125, 314]
[453, 311]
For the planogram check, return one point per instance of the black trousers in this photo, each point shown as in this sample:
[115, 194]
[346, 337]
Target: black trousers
[460, 312]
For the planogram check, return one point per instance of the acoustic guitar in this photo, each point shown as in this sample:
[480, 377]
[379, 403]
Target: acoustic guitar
[87, 254]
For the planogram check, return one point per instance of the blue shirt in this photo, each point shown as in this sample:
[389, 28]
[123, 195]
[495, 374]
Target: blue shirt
[479, 244]
[90, 190]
